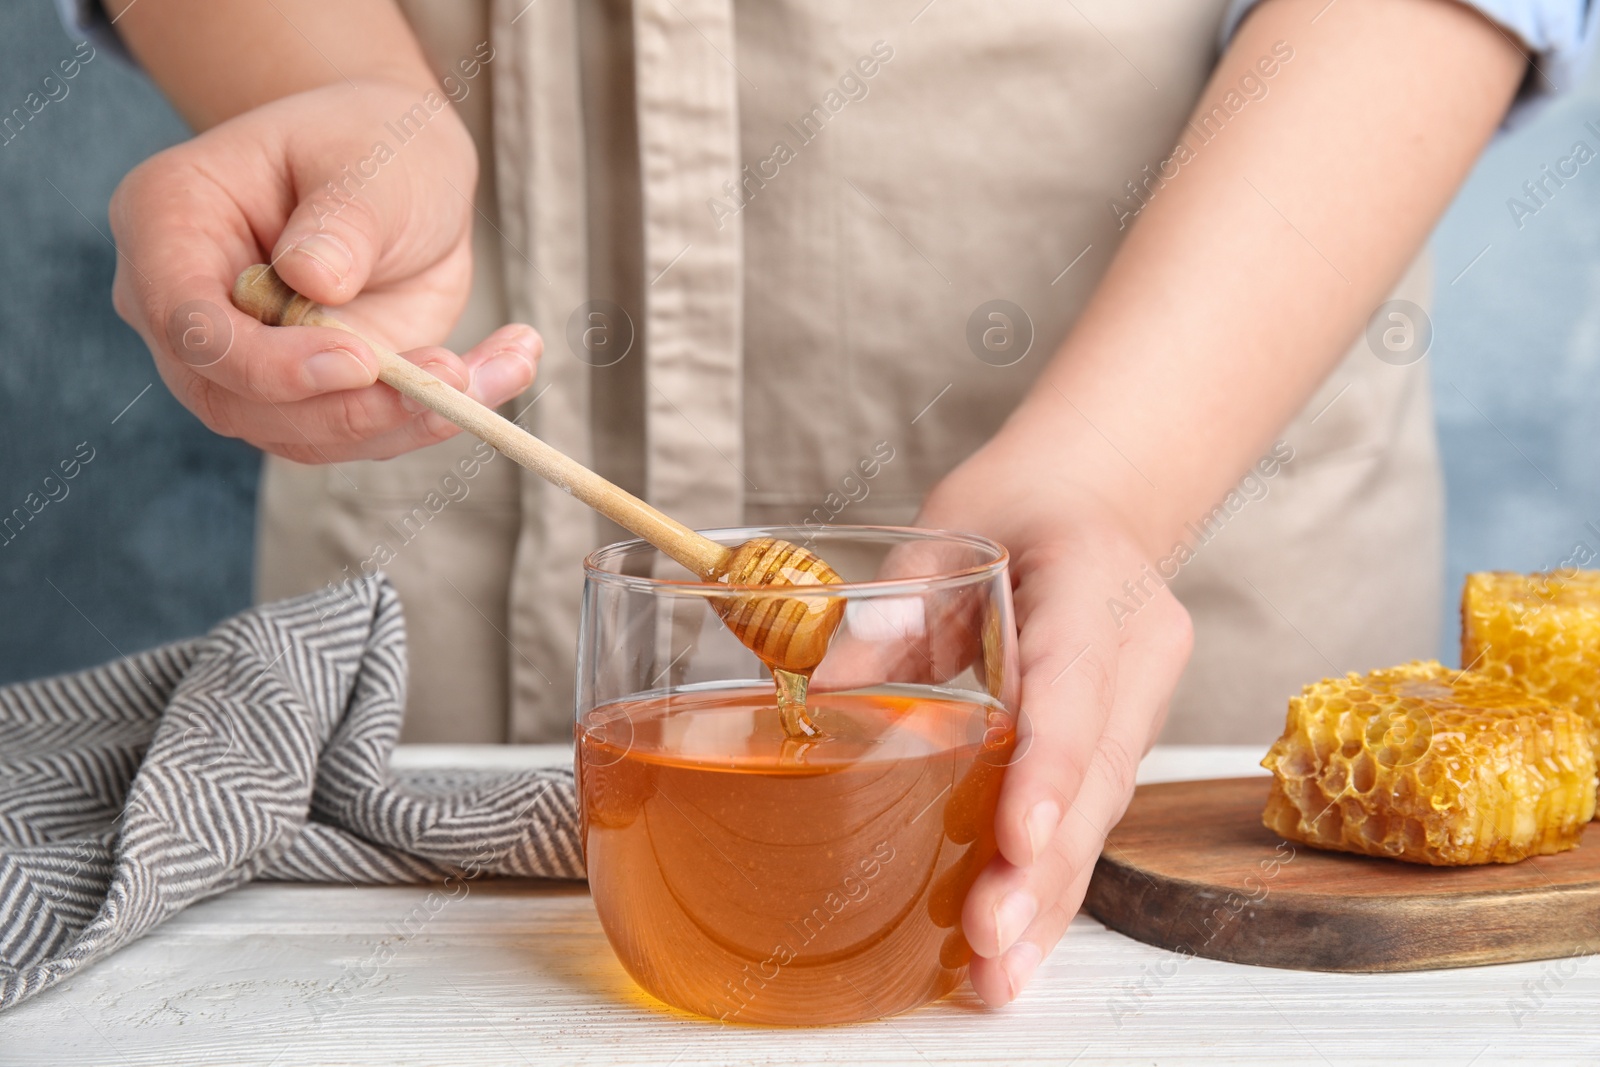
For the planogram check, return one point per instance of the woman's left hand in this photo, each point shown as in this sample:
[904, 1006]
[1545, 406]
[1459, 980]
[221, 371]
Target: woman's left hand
[1094, 697]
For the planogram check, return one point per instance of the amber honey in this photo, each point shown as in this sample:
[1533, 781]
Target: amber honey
[748, 877]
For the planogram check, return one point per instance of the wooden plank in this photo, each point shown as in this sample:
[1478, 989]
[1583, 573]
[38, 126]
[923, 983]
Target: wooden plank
[1190, 868]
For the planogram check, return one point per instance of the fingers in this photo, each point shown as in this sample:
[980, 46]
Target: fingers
[373, 422]
[885, 639]
[920, 637]
[328, 253]
[182, 241]
[1014, 916]
[1075, 664]
[312, 393]
[501, 367]
[1016, 913]
[357, 222]
[1069, 672]
[999, 980]
[503, 364]
[278, 366]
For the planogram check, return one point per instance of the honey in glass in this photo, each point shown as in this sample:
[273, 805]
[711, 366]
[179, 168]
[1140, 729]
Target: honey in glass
[752, 877]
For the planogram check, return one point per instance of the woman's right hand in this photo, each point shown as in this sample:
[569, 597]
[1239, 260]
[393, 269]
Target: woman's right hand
[321, 184]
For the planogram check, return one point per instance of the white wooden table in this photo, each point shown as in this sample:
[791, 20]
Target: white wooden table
[520, 973]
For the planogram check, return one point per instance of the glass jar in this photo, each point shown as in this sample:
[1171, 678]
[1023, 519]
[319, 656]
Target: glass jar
[748, 875]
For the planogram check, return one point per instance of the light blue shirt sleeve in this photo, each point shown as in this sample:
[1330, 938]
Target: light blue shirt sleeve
[87, 20]
[1557, 35]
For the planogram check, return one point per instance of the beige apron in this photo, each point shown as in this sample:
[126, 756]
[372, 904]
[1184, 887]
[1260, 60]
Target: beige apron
[783, 196]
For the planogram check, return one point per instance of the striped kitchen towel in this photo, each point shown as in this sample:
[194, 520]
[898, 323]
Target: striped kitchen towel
[261, 750]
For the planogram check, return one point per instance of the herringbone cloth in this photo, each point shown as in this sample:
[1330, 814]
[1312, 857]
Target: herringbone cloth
[261, 750]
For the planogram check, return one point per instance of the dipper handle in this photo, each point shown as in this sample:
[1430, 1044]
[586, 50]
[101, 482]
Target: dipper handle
[260, 293]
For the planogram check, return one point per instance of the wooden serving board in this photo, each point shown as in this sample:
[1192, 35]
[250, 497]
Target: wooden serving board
[1190, 868]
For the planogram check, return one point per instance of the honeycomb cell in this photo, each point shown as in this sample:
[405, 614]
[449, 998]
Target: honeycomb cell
[1445, 768]
[1540, 631]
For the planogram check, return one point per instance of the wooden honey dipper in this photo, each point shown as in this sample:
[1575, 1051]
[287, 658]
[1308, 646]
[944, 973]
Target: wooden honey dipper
[789, 634]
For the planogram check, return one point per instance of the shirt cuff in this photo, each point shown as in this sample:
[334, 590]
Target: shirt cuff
[87, 20]
[1558, 35]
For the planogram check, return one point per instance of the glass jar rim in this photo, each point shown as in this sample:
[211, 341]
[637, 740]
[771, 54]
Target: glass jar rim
[595, 571]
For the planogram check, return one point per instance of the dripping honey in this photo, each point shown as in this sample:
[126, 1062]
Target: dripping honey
[788, 634]
[746, 878]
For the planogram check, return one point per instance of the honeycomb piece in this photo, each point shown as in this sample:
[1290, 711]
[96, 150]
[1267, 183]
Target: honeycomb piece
[1429, 765]
[1540, 631]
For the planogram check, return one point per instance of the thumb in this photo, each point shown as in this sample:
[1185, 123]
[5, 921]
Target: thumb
[329, 246]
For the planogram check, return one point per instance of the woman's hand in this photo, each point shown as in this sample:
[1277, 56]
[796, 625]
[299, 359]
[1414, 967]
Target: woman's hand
[1094, 697]
[321, 184]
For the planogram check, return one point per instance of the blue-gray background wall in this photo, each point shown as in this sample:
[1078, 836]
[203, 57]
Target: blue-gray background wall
[1517, 355]
[153, 539]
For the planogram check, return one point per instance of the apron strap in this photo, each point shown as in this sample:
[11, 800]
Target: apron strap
[539, 168]
[688, 115]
